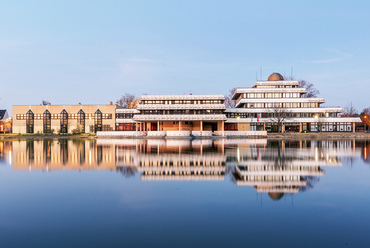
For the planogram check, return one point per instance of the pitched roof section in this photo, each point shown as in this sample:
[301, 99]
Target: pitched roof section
[3, 114]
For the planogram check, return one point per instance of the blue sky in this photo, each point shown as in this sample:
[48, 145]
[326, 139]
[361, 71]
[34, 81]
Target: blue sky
[93, 52]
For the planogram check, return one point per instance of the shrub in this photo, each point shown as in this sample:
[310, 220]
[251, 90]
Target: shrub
[76, 131]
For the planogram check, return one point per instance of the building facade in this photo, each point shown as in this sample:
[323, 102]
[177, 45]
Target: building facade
[63, 118]
[275, 105]
[279, 105]
[180, 113]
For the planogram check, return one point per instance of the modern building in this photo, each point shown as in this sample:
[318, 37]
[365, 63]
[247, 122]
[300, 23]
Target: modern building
[278, 103]
[181, 113]
[63, 118]
[273, 105]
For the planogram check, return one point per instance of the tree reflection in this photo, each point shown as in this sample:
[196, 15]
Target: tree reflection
[310, 183]
[127, 171]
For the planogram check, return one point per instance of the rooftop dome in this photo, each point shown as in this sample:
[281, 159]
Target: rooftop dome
[275, 77]
[276, 196]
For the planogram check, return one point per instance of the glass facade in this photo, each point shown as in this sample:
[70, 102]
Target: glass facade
[81, 121]
[47, 122]
[98, 121]
[30, 118]
[64, 121]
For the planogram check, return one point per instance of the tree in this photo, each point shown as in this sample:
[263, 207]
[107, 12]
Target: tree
[127, 101]
[365, 117]
[350, 110]
[310, 87]
[311, 90]
[366, 111]
[44, 102]
[229, 103]
[278, 115]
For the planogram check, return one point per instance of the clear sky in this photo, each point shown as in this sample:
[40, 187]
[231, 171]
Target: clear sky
[92, 52]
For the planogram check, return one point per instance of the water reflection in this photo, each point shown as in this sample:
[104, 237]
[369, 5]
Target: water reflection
[272, 167]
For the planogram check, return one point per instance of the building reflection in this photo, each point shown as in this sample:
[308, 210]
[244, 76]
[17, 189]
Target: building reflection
[272, 167]
[62, 154]
[287, 167]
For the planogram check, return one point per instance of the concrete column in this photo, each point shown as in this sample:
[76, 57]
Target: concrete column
[158, 128]
[353, 127]
[300, 127]
[201, 126]
[179, 125]
[282, 128]
[264, 126]
[222, 128]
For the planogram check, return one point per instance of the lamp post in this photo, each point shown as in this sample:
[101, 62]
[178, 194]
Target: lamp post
[365, 117]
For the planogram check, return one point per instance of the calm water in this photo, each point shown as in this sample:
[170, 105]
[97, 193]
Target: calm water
[148, 193]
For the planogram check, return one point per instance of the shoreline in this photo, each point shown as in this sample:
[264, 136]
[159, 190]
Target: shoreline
[274, 136]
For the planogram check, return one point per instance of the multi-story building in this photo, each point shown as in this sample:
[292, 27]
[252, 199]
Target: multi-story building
[277, 101]
[63, 118]
[272, 105]
[181, 113]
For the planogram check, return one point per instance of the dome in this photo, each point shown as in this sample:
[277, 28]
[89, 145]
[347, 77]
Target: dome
[276, 196]
[275, 77]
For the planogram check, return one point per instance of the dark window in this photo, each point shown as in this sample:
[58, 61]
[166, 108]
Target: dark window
[47, 121]
[63, 121]
[98, 120]
[81, 121]
[30, 117]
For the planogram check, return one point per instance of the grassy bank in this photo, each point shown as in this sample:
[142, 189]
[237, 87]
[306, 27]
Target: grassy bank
[336, 135]
[44, 136]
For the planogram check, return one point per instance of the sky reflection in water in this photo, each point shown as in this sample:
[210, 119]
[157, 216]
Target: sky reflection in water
[219, 193]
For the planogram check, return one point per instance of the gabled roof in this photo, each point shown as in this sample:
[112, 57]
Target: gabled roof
[3, 114]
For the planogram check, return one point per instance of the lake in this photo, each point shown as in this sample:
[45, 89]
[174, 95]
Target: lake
[181, 193]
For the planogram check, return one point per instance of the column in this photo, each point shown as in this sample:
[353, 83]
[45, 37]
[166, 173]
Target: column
[179, 125]
[136, 127]
[201, 126]
[300, 127]
[353, 127]
[264, 126]
[222, 127]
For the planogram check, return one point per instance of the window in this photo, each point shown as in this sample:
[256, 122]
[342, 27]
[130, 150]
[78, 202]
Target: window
[63, 121]
[98, 120]
[81, 121]
[47, 121]
[30, 121]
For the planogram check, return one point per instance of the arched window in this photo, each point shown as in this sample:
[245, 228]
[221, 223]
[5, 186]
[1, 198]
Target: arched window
[63, 121]
[81, 121]
[47, 121]
[30, 117]
[98, 120]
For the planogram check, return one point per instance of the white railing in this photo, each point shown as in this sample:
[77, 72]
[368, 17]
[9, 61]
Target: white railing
[242, 133]
[120, 133]
[178, 133]
[201, 133]
[156, 133]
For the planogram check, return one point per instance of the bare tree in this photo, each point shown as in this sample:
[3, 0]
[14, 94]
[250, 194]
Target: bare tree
[311, 90]
[278, 115]
[44, 102]
[365, 117]
[127, 101]
[229, 103]
[366, 111]
[350, 110]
